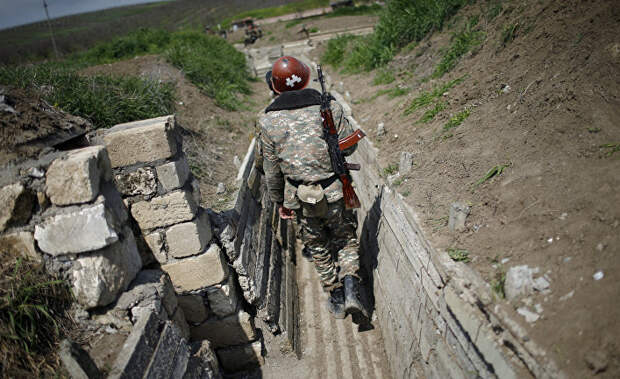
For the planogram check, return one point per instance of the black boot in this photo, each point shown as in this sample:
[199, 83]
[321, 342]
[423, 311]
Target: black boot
[335, 303]
[352, 303]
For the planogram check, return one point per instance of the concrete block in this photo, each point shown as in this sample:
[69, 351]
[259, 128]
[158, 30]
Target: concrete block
[223, 298]
[238, 358]
[17, 203]
[170, 209]
[139, 182]
[141, 141]
[155, 242]
[406, 162]
[194, 308]
[163, 357]
[99, 277]
[493, 354]
[233, 330]
[136, 353]
[179, 320]
[203, 362]
[198, 272]
[77, 362]
[87, 229]
[173, 175]
[463, 312]
[457, 217]
[76, 177]
[181, 360]
[20, 244]
[189, 238]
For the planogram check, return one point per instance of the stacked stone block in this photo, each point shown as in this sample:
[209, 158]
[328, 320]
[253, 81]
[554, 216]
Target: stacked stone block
[154, 178]
[67, 214]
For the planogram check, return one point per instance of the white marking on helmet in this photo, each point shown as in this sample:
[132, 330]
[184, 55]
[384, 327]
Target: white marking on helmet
[292, 80]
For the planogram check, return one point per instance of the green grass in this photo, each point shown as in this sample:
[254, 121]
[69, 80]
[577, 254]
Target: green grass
[393, 92]
[32, 317]
[612, 148]
[494, 8]
[509, 33]
[290, 24]
[497, 284]
[494, 171]
[313, 30]
[383, 76]
[212, 64]
[430, 114]
[459, 255]
[427, 97]
[462, 42]
[102, 99]
[456, 120]
[295, 7]
[390, 169]
[360, 10]
[336, 49]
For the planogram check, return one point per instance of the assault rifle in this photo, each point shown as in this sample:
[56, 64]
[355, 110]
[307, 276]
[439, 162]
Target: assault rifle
[335, 147]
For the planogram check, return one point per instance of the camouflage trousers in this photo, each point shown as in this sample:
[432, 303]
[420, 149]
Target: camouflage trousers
[333, 244]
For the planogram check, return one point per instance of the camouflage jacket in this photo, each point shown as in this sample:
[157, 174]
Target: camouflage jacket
[293, 146]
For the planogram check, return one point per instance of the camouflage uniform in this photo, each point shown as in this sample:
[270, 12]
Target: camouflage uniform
[293, 148]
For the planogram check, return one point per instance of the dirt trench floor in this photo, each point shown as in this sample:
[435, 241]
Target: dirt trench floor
[330, 348]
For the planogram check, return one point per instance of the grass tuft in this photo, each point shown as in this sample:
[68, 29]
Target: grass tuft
[462, 42]
[509, 33]
[459, 255]
[494, 171]
[430, 114]
[456, 120]
[612, 148]
[390, 169]
[427, 97]
[497, 284]
[32, 318]
[383, 76]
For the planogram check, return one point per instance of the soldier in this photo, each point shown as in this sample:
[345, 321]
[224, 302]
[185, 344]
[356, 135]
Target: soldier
[300, 180]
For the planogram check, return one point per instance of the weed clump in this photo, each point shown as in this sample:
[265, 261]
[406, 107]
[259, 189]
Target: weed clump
[459, 255]
[456, 120]
[33, 318]
[383, 77]
[427, 97]
[462, 42]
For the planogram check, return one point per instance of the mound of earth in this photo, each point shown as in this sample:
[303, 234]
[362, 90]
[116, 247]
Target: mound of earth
[543, 95]
[28, 124]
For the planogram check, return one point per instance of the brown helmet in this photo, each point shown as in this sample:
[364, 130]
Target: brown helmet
[289, 74]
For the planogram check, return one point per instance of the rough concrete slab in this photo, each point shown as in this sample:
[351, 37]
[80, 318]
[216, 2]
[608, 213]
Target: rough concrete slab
[17, 203]
[194, 308]
[163, 357]
[75, 177]
[155, 242]
[141, 141]
[233, 330]
[77, 362]
[166, 210]
[189, 238]
[100, 276]
[88, 229]
[223, 298]
[173, 175]
[198, 272]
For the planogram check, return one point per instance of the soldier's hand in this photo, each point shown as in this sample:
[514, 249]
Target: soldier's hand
[286, 213]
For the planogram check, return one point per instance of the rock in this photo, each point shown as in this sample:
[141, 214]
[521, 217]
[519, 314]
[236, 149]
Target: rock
[233, 330]
[597, 360]
[195, 186]
[519, 281]
[529, 316]
[88, 229]
[139, 182]
[598, 275]
[75, 178]
[194, 308]
[165, 351]
[170, 209]
[17, 203]
[457, 217]
[36, 172]
[77, 362]
[238, 358]
[538, 308]
[43, 200]
[237, 162]
[198, 272]
[155, 242]
[181, 322]
[100, 276]
[203, 362]
[141, 141]
[567, 296]
[541, 284]
[223, 298]
[406, 163]
[221, 188]
[189, 238]
[20, 244]
[173, 175]
[381, 129]
[147, 287]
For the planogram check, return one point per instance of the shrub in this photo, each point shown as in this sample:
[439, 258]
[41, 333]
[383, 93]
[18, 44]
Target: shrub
[335, 49]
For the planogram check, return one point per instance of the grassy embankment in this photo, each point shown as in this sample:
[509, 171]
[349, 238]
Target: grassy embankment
[209, 62]
[402, 24]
